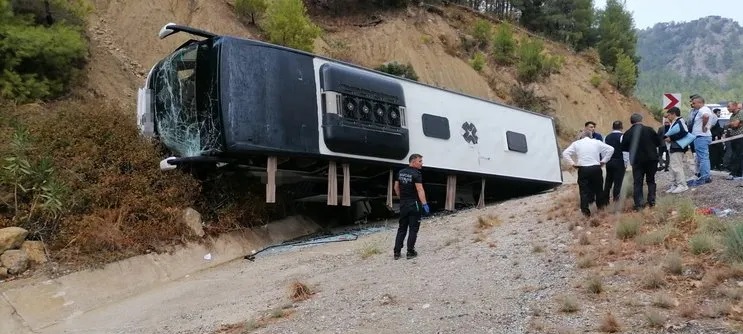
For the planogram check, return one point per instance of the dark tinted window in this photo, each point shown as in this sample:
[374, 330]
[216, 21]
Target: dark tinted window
[516, 141]
[435, 126]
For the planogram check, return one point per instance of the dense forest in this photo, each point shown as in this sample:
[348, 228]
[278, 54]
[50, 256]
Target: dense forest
[703, 56]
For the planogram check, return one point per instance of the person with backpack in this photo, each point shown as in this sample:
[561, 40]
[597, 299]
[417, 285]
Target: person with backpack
[679, 138]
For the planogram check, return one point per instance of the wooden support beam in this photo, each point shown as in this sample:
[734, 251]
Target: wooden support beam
[271, 180]
[346, 185]
[481, 201]
[332, 184]
[451, 192]
[390, 189]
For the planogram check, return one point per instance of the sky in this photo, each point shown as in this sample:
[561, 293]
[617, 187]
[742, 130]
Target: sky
[647, 13]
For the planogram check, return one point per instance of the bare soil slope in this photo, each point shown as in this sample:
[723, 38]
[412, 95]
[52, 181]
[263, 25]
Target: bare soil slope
[126, 46]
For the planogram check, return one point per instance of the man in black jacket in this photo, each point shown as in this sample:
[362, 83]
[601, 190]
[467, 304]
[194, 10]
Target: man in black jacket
[617, 165]
[409, 187]
[716, 151]
[642, 143]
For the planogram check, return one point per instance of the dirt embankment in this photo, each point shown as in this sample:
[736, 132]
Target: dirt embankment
[126, 46]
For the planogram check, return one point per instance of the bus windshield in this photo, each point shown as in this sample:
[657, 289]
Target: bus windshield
[175, 102]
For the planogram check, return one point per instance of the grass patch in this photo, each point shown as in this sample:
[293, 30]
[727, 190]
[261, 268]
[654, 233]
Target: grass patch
[686, 210]
[568, 304]
[674, 263]
[734, 243]
[594, 284]
[369, 249]
[656, 237]
[586, 262]
[701, 243]
[663, 300]
[609, 324]
[298, 291]
[688, 311]
[487, 221]
[628, 227]
[654, 319]
[712, 225]
[735, 294]
[653, 279]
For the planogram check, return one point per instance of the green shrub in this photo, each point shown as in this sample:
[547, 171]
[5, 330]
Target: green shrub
[478, 61]
[596, 80]
[250, 8]
[401, 70]
[533, 65]
[525, 97]
[504, 45]
[553, 64]
[38, 62]
[287, 24]
[481, 31]
[625, 74]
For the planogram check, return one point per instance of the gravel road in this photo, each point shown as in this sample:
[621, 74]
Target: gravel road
[508, 278]
[456, 285]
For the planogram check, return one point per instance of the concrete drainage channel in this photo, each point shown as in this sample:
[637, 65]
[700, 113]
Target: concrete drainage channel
[41, 303]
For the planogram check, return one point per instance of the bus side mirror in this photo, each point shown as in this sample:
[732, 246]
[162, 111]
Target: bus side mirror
[165, 31]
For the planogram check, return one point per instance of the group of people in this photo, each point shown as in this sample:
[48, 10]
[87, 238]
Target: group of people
[649, 151]
[646, 149]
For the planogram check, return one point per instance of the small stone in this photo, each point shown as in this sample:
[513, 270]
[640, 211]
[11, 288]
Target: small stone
[15, 260]
[4, 273]
[192, 219]
[12, 238]
[35, 251]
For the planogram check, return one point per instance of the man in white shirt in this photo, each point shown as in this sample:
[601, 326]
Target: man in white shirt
[591, 156]
[700, 122]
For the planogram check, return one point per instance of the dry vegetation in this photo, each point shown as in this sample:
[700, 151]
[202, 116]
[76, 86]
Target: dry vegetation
[298, 292]
[91, 188]
[669, 263]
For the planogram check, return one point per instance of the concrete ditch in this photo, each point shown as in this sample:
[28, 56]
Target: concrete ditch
[26, 308]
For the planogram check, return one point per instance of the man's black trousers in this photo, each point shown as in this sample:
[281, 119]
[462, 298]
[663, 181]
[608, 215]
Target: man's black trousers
[736, 161]
[645, 170]
[410, 215]
[590, 185]
[614, 177]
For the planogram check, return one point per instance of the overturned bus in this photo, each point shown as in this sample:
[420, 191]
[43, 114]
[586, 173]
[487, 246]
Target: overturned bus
[292, 117]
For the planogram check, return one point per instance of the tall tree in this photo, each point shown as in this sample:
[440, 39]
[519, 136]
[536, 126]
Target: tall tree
[616, 33]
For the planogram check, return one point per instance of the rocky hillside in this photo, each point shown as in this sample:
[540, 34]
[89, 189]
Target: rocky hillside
[700, 56]
[126, 46]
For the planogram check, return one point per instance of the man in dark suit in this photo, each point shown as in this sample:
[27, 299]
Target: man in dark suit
[617, 164]
[642, 143]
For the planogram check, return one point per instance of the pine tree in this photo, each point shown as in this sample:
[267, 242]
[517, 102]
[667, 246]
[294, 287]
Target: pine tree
[250, 8]
[287, 24]
[616, 34]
